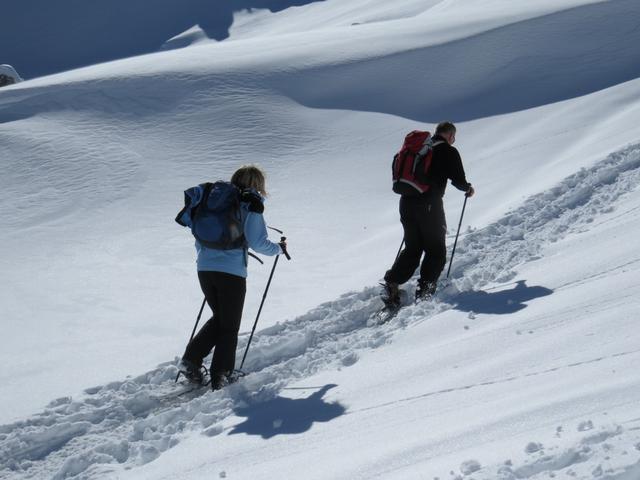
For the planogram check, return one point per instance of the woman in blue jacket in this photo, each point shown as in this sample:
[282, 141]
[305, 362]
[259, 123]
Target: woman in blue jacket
[222, 275]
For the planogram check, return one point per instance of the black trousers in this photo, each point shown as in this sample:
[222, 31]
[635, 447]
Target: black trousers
[425, 229]
[225, 295]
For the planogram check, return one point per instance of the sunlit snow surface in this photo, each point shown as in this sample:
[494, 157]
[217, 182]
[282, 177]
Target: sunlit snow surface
[522, 367]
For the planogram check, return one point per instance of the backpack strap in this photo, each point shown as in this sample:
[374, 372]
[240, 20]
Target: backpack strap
[206, 191]
[426, 146]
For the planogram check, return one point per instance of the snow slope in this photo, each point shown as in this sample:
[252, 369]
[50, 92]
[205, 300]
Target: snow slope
[512, 393]
[530, 345]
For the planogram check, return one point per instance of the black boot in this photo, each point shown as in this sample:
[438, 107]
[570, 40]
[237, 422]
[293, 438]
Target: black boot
[391, 295]
[192, 372]
[220, 380]
[425, 290]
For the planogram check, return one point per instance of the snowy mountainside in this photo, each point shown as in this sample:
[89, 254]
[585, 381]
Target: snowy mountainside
[520, 369]
[128, 423]
[71, 34]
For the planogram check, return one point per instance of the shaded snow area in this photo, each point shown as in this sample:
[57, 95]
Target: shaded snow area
[130, 423]
[521, 367]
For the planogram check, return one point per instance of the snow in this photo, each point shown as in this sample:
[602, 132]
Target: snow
[522, 367]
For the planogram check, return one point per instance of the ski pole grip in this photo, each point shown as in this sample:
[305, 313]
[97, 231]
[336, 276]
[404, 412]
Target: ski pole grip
[284, 248]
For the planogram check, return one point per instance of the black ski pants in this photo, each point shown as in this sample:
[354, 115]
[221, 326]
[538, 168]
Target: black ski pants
[425, 229]
[225, 295]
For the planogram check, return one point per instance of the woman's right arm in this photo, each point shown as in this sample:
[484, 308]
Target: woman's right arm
[255, 231]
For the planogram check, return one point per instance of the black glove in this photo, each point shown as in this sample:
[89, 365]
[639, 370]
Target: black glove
[470, 192]
[283, 247]
[253, 199]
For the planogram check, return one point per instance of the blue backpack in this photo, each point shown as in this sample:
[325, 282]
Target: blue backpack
[212, 211]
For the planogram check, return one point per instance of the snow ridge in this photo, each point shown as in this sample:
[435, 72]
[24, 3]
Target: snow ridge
[131, 422]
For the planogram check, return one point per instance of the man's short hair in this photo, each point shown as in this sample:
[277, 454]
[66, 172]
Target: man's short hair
[445, 127]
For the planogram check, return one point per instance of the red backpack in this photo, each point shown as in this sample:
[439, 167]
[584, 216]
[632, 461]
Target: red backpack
[411, 164]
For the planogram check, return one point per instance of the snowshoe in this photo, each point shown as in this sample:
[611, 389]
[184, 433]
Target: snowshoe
[193, 373]
[425, 290]
[221, 380]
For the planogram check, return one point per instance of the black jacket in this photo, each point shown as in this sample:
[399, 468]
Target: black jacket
[446, 164]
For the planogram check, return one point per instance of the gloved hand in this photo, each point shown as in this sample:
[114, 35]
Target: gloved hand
[253, 199]
[283, 247]
[470, 192]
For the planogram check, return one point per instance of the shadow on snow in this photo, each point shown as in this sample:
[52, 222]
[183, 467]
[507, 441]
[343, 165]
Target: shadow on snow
[500, 303]
[287, 416]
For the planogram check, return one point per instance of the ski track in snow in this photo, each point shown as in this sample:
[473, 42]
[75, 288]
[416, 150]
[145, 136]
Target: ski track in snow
[131, 422]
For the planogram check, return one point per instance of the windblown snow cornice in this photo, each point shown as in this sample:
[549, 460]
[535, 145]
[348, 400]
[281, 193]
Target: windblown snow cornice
[410, 68]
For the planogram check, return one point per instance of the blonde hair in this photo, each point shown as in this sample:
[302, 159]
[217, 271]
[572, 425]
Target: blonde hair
[250, 176]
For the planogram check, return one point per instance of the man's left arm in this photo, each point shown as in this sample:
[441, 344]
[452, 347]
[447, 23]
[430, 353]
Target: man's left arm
[456, 172]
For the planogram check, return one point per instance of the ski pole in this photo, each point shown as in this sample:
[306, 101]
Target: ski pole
[264, 296]
[276, 229]
[194, 327]
[400, 249]
[453, 252]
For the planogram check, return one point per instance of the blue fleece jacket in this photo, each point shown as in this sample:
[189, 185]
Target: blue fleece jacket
[235, 261]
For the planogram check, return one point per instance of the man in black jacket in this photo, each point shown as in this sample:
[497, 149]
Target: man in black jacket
[424, 222]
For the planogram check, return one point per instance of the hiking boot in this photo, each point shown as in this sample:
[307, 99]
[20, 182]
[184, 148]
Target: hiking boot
[192, 372]
[425, 290]
[220, 380]
[391, 296]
